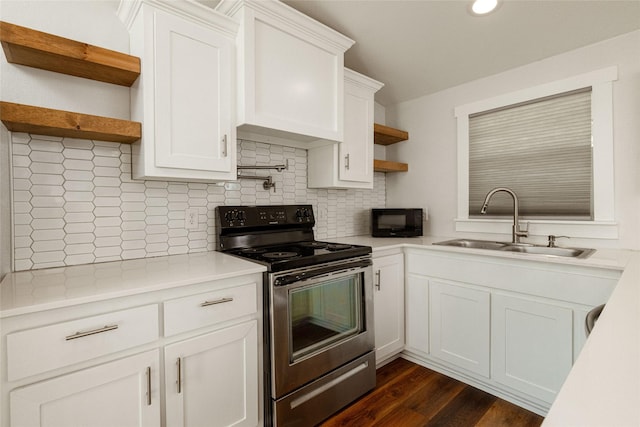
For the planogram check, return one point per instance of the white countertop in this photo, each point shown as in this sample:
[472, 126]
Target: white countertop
[603, 387]
[36, 290]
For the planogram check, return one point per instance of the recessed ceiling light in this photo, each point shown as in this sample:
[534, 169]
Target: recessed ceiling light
[482, 7]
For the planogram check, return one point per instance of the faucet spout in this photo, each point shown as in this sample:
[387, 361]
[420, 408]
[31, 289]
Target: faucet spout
[516, 232]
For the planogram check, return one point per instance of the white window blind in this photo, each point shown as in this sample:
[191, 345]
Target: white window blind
[542, 150]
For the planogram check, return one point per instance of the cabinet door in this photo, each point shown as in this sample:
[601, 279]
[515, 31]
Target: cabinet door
[388, 300]
[113, 394]
[531, 345]
[192, 97]
[292, 81]
[356, 151]
[460, 326]
[212, 380]
[348, 164]
[417, 318]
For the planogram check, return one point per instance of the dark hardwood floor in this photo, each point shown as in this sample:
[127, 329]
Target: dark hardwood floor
[409, 395]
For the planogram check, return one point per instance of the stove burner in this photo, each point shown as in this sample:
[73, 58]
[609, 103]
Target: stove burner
[313, 245]
[338, 247]
[253, 251]
[279, 255]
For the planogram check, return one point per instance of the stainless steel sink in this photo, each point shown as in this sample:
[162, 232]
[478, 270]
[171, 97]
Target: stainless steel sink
[544, 250]
[474, 244]
[519, 248]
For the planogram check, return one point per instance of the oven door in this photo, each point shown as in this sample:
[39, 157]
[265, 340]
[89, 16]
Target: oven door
[322, 318]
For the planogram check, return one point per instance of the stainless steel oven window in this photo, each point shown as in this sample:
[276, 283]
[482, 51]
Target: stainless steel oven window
[323, 314]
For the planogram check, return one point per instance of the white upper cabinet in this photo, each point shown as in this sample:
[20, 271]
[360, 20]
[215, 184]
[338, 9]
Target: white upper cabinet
[185, 94]
[348, 164]
[290, 75]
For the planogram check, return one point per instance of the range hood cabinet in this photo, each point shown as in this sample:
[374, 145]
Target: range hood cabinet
[290, 75]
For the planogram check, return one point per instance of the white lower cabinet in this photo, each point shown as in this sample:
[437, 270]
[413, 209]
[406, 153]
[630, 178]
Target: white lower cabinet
[459, 326]
[125, 392]
[512, 327]
[388, 301]
[532, 344]
[185, 356]
[417, 316]
[212, 380]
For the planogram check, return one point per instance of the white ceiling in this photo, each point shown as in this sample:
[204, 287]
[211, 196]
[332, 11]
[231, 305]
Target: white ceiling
[418, 47]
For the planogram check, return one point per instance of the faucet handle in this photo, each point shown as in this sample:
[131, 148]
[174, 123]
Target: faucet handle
[522, 232]
[552, 240]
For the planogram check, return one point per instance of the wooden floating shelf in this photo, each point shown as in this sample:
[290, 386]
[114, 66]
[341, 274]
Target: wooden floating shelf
[388, 166]
[45, 121]
[36, 49]
[385, 135]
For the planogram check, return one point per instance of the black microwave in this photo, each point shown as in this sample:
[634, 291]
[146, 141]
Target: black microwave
[396, 222]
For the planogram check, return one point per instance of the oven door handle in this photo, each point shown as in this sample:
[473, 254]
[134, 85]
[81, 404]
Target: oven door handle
[322, 271]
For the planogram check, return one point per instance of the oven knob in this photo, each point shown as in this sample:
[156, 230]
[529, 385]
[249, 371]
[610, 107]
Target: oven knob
[241, 216]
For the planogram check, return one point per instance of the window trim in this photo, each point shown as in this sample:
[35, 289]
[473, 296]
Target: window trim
[603, 224]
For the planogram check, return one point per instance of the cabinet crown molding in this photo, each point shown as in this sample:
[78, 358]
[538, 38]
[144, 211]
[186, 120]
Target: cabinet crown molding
[361, 80]
[279, 11]
[129, 9]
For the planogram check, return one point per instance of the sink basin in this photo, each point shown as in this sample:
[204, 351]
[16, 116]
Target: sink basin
[518, 248]
[544, 250]
[475, 244]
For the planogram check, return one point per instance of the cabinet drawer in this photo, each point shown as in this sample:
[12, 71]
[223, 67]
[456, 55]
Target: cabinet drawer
[43, 349]
[197, 311]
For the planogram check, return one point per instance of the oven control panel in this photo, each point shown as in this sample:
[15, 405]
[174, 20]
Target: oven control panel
[264, 216]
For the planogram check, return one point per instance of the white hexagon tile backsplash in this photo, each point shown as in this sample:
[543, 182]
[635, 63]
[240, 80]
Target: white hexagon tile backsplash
[74, 202]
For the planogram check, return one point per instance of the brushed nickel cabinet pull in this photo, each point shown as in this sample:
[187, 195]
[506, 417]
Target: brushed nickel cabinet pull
[346, 162]
[378, 279]
[218, 301]
[77, 335]
[148, 385]
[225, 147]
[179, 363]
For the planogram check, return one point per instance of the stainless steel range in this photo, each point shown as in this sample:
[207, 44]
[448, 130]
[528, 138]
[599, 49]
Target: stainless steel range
[318, 311]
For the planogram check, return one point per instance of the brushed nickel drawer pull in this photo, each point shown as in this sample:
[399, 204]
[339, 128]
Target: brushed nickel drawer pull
[218, 301]
[77, 335]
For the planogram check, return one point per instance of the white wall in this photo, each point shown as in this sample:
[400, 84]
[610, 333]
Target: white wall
[93, 22]
[379, 116]
[431, 149]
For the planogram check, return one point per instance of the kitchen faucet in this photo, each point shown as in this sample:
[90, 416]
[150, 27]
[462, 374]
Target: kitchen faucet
[516, 232]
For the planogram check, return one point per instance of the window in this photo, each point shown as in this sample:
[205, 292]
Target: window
[541, 150]
[553, 145]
